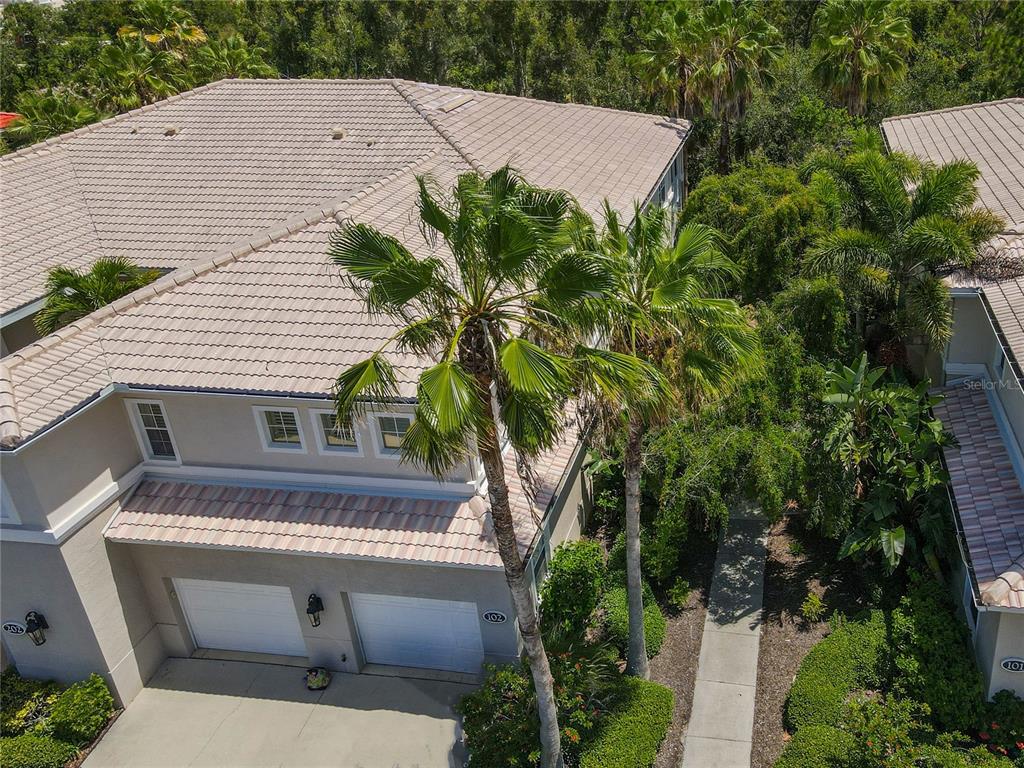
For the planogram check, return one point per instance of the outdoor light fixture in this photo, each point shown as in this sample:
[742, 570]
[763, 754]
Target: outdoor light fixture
[313, 608]
[35, 623]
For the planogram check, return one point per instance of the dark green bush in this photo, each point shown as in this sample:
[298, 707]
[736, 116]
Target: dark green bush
[937, 756]
[1003, 725]
[631, 733]
[817, 746]
[932, 656]
[81, 711]
[616, 620]
[843, 662]
[573, 586]
[28, 751]
[24, 702]
[816, 309]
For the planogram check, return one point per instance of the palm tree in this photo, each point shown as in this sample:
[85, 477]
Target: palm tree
[665, 310]
[907, 224]
[50, 113]
[71, 294]
[131, 75]
[493, 310]
[860, 49]
[231, 58]
[164, 25]
[740, 49]
[669, 58]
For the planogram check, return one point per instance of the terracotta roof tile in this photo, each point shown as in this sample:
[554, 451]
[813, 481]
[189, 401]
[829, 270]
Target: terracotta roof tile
[988, 494]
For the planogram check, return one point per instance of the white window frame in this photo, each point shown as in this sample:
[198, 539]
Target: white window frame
[266, 444]
[334, 450]
[132, 404]
[378, 444]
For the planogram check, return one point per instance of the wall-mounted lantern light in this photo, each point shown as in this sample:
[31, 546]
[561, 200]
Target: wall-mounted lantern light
[313, 608]
[35, 623]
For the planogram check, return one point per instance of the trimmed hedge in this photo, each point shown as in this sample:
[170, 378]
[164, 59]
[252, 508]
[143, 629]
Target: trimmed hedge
[572, 589]
[616, 620]
[28, 751]
[24, 702]
[81, 711]
[844, 661]
[817, 746]
[633, 731]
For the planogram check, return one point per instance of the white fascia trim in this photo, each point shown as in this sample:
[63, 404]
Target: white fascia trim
[27, 310]
[334, 483]
[76, 519]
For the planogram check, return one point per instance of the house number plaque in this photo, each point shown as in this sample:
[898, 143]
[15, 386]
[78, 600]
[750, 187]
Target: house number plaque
[1013, 664]
[14, 627]
[495, 617]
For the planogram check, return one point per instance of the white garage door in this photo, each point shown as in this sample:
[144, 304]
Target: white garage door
[241, 617]
[415, 632]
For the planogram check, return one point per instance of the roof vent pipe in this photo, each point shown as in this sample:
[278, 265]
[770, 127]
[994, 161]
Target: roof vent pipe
[337, 132]
[170, 130]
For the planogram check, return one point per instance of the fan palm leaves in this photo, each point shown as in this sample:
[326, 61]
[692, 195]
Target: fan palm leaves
[232, 58]
[50, 113]
[493, 305]
[670, 56]
[131, 75]
[666, 307]
[906, 225]
[740, 48]
[860, 49]
[71, 294]
[163, 25]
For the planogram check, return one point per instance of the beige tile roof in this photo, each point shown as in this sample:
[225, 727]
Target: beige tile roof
[267, 314]
[988, 494]
[991, 135]
[451, 531]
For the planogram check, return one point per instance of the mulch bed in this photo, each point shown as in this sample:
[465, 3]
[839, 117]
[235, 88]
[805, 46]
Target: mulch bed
[798, 563]
[676, 665]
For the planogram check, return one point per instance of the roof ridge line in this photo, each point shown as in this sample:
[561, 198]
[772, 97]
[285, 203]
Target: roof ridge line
[45, 144]
[547, 102]
[402, 87]
[958, 108]
[10, 424]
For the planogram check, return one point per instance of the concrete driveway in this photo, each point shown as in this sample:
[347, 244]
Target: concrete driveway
[198, 712]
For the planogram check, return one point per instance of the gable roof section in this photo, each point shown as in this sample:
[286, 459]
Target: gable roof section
[987, 492]
[201, 171]
[267, 314]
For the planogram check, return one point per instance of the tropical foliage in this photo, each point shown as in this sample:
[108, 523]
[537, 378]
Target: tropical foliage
[48, 114]
[71, 293]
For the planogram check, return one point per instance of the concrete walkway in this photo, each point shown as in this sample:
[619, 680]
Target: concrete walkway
[722, 721]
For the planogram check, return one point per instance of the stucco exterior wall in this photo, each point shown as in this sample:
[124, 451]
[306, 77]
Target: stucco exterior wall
[973, 341]
[333, 644]
[91, 596]
[222, 431]
[18, 334]
[60, 472]
[1012, 399]
[1000, 635]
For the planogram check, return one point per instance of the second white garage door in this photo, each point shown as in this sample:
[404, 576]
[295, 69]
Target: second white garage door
[241, 617]
[416, 632]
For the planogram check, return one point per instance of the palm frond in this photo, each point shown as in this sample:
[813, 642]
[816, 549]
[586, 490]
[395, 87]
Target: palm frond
[370, 381]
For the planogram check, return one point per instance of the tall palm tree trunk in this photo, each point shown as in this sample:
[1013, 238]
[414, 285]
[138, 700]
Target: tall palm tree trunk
[723, 146]
[636, 655]
[474, 354]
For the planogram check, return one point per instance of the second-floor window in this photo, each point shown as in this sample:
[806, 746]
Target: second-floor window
[332, 436]
[280, 429]
[392, 430]
[154, 431]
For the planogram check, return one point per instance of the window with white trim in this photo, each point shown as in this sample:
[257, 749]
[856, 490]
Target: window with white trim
[154, 430]
[332, 436]
[391, 430]
[280, 429]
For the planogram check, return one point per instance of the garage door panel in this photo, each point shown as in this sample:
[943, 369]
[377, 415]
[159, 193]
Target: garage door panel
[418, 632]
[241, 617]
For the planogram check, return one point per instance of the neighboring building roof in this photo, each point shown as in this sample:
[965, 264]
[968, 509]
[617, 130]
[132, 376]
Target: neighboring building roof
[991, 135]
[448, 531]
[988, 494]
[6, 118]
[268, 314]
[198, 172]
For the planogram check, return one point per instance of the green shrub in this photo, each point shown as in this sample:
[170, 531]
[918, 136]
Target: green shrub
[817, 310]
[932, 656]
[1003, 725]
[631, 733]
[24, 702]
[28, 751]
[886, 730]
[573, 586]
[616, 620]
[679, 594]
[812, 609]
[844, 661]
[81, 711]
[817, 746]
[936, 756]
